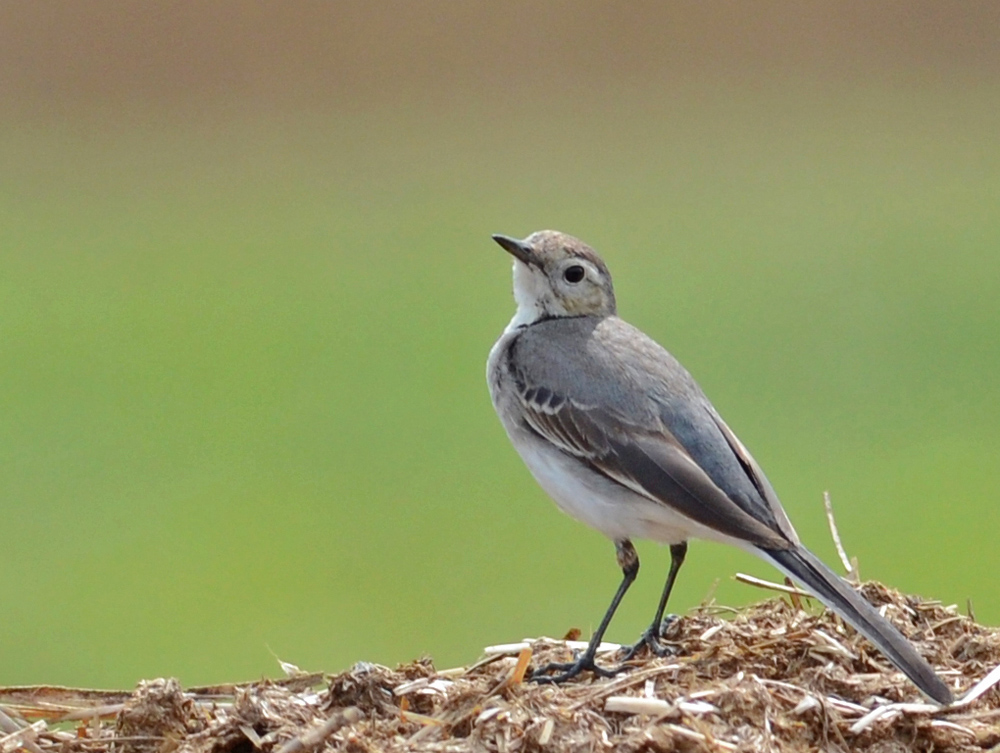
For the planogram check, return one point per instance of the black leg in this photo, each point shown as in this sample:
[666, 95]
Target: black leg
[628, 560]
[651, 635]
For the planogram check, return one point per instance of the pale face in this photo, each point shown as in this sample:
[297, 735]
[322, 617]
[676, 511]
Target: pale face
[566, 287]
[556, 275]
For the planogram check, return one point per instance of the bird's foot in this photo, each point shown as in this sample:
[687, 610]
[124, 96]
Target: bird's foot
[559, 672]
[650, 638]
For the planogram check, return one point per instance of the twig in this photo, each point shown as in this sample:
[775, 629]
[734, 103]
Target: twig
[891, 711]
[760, 583]
[796, 601]
[700, 737]
[350, 715]
[15, 730]
[627, 681]
[626, 704]
[105, 712]
[978, 689]
[828, 505]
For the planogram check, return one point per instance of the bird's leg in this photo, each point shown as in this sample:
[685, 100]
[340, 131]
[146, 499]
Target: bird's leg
[651, 635]
[556, 672]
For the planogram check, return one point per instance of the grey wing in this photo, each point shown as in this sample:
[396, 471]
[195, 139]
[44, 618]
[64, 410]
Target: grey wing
[756, 475]
[649, 461]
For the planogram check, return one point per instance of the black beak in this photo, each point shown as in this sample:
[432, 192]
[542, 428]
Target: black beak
[518, 249]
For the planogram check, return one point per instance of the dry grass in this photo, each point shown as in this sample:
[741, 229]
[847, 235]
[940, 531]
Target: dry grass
[768, 677]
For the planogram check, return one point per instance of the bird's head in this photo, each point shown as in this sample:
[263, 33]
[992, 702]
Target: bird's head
[557, 275]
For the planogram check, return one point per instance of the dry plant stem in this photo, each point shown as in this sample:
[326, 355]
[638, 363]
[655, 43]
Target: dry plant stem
[350, 715]
[769, 585]
[8, 725]
[977, 690]
[771, 678]
[101, 712]
[828, 506]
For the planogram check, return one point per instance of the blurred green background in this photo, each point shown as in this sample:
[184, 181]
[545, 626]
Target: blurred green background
[247, 291]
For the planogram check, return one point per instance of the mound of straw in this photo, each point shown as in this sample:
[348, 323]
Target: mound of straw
[770, 677]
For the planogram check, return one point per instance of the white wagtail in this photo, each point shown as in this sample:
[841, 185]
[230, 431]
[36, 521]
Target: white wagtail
[617, 432]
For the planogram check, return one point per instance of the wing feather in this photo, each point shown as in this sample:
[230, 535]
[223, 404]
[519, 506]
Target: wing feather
[653, 464]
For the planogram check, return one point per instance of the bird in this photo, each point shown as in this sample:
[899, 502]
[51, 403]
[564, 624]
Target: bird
[623, 439]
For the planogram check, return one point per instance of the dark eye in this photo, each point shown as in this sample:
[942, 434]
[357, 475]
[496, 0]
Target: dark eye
[574, 273]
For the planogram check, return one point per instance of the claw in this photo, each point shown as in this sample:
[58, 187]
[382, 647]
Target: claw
[569, 670]
[650, 638]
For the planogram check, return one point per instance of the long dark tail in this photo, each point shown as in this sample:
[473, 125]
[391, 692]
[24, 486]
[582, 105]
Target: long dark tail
[803, 566]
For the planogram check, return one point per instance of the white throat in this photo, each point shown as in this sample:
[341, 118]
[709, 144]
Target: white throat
[530, 289]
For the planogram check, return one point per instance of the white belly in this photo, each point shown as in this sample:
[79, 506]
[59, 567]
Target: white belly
[598, 502]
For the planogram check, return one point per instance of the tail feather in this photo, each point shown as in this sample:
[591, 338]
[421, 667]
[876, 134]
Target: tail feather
[803, 566]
